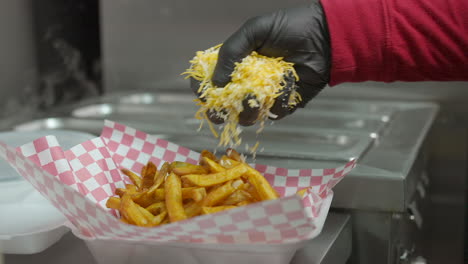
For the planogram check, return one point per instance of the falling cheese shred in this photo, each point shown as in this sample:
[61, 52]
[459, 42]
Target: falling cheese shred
[257, 75]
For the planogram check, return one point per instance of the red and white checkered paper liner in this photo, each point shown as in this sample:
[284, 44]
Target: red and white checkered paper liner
[79, 181]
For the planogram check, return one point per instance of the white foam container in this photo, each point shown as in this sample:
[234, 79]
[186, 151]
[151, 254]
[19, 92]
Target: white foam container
[29, 224]
[125, 252]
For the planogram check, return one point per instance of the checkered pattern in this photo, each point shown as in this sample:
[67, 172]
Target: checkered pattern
[79, 181]
[95, 171]
[132, 149]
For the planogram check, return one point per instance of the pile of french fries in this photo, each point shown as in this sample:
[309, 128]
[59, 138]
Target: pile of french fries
[180, 190]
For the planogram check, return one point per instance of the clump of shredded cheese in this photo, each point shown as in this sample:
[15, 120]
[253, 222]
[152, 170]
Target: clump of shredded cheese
[257, 75]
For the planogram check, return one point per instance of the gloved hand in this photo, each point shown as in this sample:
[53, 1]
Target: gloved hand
[299, 35]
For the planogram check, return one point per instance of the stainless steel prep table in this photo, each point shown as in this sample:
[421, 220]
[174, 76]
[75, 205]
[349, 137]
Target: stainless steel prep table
[333, 246]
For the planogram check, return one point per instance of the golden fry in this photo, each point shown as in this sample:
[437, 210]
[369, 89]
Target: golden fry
[173, 196]
[237, 197]
[186, 183]
[145, 199]
[151, 169]
[149, 216]
[227, 162]
[120, 191]
[131, 212]
[124, 220]
[133, 177]
[213, 166]
[263, 187]
[208, 154]
[192, 209]
[148, 177]
[212, 210]
[233, 154]
[132, 188]
[160, 176]
[159, 195]
[302, 192]
[194, 193]
[218, 195]
[113, 203]
[215, 178]
[252, 191]
[157, 220]
[243, 203]
[143, 171]
[184, 168]
[156, 208]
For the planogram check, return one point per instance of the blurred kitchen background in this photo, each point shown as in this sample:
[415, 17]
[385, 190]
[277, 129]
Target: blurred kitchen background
[55, 53]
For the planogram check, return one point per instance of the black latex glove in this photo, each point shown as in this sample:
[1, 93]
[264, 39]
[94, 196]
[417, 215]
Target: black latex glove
[299, 35]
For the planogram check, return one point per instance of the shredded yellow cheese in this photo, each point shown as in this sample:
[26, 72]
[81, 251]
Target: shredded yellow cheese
[257, 75]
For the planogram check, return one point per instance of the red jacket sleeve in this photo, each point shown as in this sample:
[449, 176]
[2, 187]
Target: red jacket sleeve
[398, 40]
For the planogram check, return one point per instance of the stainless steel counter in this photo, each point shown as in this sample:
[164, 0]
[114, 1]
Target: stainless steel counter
[333, 246]
[386, 137]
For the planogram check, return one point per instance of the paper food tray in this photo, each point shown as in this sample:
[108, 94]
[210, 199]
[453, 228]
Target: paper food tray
[19, 201]
[79, 181]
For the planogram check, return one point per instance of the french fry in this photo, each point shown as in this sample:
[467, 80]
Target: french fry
[212, 210]
[237, 183]
[227, 162]
[160, 195]
[160, 176]
[205, 180]
[145, 199]
[208, 154]
[121, 191]
[302, 192]
[133, 177]
[173, 192]
[252, 191]
[263, 187]
[124, 220]
[237, 197]
[243, 203]
[131, 212]
[233, 154]
[192, 209]
[186, 183]
[151, 169]
[148, 177]
[146, 214]
[157, 220]
[213, 166]
[194, 193]
[218, 195]
[214, 187]
[143, 171]
[132, 188]
[156, 208]
[184, 168]
[113, 203]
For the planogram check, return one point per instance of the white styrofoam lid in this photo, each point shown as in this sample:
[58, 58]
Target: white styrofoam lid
[23, 209]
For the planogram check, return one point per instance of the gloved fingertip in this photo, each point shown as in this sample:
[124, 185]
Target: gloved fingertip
[221, 79]
[251, 110]
[195, 86]
[281, 107]
[215, 117]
